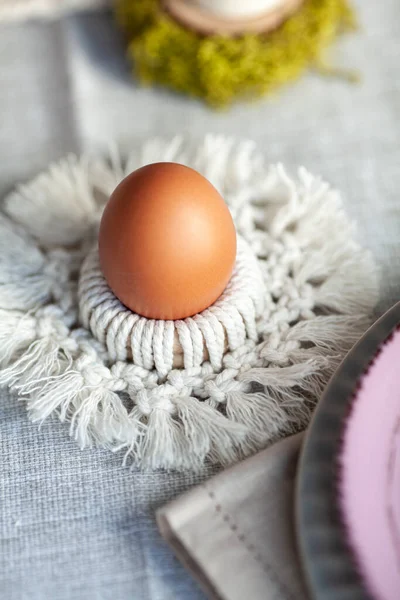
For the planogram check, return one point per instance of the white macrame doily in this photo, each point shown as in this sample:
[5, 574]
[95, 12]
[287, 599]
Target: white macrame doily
[321, 287]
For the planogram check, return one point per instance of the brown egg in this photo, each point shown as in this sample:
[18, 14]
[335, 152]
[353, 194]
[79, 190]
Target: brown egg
[167, 242]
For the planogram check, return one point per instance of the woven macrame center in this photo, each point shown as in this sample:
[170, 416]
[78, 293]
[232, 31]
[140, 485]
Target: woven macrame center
[165, 345]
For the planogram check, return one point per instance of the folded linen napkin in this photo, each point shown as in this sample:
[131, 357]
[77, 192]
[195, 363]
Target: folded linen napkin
[235, 533]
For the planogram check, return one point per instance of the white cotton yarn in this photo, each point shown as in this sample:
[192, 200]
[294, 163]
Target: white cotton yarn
[164, 345]
[319, 290]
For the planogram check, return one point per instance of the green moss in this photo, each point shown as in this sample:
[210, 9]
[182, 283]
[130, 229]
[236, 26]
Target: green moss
[220, 69]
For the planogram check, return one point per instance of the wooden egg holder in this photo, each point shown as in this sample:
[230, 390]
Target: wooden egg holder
[166, 345]
[206, 23]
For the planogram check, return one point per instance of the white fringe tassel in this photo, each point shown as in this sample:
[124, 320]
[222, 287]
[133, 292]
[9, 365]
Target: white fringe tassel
[321, 290]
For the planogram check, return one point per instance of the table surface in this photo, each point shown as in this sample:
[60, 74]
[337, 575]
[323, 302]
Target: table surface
[76, 525]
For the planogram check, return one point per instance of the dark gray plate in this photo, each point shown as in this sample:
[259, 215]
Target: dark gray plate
[329, 566]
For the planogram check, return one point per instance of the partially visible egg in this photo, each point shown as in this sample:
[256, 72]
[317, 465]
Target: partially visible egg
[232, 9]
[167, 242]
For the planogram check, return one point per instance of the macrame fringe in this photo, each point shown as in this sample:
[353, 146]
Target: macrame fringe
[321, 290]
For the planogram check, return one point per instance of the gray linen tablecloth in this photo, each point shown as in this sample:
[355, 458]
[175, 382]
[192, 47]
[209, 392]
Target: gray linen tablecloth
[76, 525]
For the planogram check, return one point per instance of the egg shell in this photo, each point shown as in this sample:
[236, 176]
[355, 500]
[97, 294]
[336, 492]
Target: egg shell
[167, 242]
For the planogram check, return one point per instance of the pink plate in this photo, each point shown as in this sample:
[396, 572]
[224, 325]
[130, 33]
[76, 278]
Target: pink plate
[348, 492]
[370, 474]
